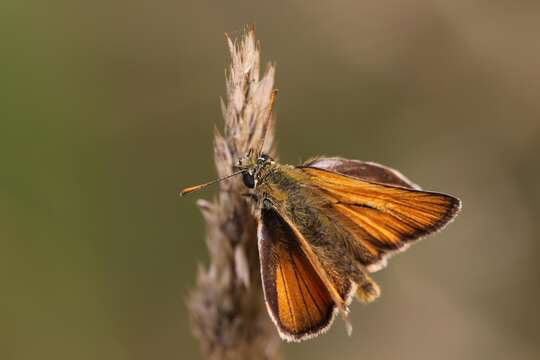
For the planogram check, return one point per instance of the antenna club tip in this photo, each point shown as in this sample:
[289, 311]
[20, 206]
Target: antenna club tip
[202, 186]
[186, 191]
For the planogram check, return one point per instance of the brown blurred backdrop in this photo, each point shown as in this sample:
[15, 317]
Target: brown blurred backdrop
[108, 108]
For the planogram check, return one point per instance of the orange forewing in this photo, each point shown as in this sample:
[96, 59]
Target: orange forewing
[297, 298]
[382, 217]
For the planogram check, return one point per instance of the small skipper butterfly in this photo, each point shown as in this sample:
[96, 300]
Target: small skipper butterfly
[324, 226]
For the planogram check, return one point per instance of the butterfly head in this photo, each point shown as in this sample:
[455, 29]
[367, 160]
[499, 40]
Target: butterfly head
[251, 164]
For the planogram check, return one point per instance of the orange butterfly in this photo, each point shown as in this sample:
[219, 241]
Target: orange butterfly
[324, 226]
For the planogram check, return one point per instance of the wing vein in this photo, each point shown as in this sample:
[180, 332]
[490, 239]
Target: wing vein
[296, 274]
[287, 296]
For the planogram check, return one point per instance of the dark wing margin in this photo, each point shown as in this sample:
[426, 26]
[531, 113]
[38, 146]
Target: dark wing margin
[365, 170]
[299, 303]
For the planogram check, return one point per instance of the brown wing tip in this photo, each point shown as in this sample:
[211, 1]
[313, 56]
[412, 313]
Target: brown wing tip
[289, 336]
[453, 208]
[323, 326]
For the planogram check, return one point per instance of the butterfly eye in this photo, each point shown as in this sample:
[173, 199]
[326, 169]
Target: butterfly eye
[249, 180]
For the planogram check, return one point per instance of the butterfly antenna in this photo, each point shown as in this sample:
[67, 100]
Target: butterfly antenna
[202, 186]
[267, 122]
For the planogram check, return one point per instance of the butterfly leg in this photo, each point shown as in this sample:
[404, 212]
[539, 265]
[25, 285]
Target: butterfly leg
[266, 202]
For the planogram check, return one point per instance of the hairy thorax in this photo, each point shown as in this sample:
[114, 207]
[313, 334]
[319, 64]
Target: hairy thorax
[285, 188]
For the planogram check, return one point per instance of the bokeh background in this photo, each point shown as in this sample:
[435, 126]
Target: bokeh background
[107, 108]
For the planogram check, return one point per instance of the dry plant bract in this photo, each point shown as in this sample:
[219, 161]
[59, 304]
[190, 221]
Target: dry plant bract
[227, 310]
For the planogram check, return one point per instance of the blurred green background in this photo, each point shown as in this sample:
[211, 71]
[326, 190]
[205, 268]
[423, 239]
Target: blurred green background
[107, 108]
